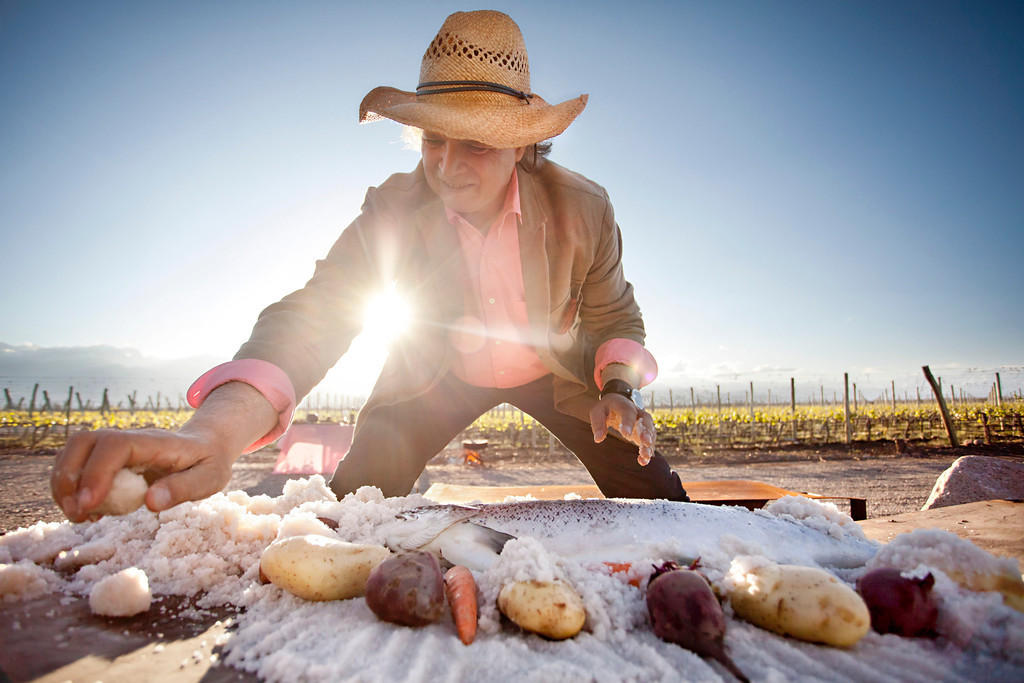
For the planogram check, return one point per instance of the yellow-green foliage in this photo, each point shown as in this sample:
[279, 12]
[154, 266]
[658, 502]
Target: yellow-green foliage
[94, 419]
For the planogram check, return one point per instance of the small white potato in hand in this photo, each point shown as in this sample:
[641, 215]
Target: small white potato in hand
[127, 494]
[551, 609]
[315, 567]
[803, 602]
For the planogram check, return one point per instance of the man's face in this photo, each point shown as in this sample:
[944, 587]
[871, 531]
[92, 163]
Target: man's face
[469, 177]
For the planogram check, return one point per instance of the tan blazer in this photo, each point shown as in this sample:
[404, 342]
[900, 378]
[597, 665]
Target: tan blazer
[576, 295]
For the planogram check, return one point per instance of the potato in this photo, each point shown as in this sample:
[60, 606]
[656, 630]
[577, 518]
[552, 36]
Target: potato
[127, 494]
[803, 602]
[315, 567]
[551, 609]
[407, 589]
[1009, 584]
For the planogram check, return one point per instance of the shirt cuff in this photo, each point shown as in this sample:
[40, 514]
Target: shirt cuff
[265, 377]
[627, 352]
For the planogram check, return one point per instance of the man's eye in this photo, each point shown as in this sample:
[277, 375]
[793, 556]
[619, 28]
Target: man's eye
[431, 142]
[477, 149]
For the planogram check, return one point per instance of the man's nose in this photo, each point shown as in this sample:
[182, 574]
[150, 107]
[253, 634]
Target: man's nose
[450, 156]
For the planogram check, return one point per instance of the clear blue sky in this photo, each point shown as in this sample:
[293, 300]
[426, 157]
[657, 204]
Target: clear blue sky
[805, 188]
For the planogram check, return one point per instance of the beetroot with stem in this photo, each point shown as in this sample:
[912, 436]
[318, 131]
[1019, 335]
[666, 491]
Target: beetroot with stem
[899, 604]
[685, 611]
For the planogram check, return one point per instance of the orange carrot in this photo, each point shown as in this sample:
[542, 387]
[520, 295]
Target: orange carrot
[460, 587]
[623, 568]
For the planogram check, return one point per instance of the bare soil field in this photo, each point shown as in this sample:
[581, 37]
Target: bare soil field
[892, 483]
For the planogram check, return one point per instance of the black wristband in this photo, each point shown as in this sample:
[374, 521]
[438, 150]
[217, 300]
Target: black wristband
[617, 386]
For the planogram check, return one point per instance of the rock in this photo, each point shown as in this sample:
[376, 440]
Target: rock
[977, 477]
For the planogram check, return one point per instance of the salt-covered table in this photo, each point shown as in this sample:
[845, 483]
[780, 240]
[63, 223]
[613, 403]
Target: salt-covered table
[57, 638]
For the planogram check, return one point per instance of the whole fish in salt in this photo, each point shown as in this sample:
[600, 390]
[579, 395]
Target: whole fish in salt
[602, 530]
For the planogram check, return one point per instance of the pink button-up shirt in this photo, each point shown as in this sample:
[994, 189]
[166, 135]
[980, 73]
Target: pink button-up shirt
[489, 339]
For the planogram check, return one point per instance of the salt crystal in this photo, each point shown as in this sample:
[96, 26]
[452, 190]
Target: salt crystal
[123, 594]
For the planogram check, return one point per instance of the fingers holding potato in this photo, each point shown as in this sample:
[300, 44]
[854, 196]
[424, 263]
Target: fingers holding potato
[127, 494]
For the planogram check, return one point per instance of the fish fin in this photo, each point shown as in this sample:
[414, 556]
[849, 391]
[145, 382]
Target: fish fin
[472, 545]
[416, 533]
[415, 541]
[418, 527]
[491, 538]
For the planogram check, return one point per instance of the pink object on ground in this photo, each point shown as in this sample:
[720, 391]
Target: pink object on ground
[975, 478]
[313, 448]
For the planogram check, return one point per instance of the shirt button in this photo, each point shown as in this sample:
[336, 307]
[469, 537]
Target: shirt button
[491, 300]
[497, 342]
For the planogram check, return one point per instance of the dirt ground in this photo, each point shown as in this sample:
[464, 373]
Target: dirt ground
[892, 482]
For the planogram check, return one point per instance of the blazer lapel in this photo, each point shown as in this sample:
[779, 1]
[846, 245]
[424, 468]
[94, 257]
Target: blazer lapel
[444, 269]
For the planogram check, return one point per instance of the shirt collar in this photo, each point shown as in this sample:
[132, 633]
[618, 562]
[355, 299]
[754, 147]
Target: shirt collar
[511, 205]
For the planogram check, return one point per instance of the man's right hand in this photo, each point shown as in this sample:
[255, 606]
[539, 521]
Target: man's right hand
[180, 467]
[190, 464]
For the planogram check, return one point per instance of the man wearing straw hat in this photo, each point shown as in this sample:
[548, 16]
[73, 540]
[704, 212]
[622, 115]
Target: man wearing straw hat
[512, 266]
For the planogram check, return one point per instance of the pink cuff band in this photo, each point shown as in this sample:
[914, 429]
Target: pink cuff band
[627, 352]
[266, 378]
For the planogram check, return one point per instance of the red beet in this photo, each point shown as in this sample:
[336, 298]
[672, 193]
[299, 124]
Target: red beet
[898, 604]
[407, 589]
[685, 611]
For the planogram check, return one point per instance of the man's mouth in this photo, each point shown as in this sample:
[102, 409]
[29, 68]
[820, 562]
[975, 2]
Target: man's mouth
[454, 186]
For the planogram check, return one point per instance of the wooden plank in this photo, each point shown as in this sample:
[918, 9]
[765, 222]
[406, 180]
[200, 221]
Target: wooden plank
[994, 525]
[460, 494]
[52, 638]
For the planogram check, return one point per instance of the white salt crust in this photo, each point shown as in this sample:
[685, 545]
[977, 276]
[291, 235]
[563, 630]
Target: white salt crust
[211, 549]
[123, 594]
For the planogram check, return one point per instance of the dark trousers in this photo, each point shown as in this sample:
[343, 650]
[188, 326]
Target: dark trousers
[394, 443]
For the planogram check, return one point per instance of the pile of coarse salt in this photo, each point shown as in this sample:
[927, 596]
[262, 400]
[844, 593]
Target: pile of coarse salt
[823, 517]
[211, 550]
[123, 594]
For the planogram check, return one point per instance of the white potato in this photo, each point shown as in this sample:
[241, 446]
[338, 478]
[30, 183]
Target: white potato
[127, 494]
[802, 602]
[1009, 584]
[551, 609]
[315, 567]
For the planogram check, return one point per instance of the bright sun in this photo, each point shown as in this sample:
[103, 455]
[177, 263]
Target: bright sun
[386, 317]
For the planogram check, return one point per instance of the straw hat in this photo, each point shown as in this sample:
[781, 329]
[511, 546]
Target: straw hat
[475, 85]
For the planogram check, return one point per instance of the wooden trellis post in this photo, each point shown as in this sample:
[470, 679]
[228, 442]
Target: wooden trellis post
[846, 406]
[67, 420]
[792, 403]
[947, 421]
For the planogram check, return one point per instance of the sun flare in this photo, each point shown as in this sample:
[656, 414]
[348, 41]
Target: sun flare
[386, 317]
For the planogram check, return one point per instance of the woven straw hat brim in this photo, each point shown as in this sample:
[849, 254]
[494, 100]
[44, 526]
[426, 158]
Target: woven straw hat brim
[495, 120]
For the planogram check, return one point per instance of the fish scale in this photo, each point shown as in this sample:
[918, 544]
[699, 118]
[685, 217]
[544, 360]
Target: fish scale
[614, 530]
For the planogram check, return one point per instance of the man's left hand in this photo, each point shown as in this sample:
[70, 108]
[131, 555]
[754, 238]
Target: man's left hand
[635, 424]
